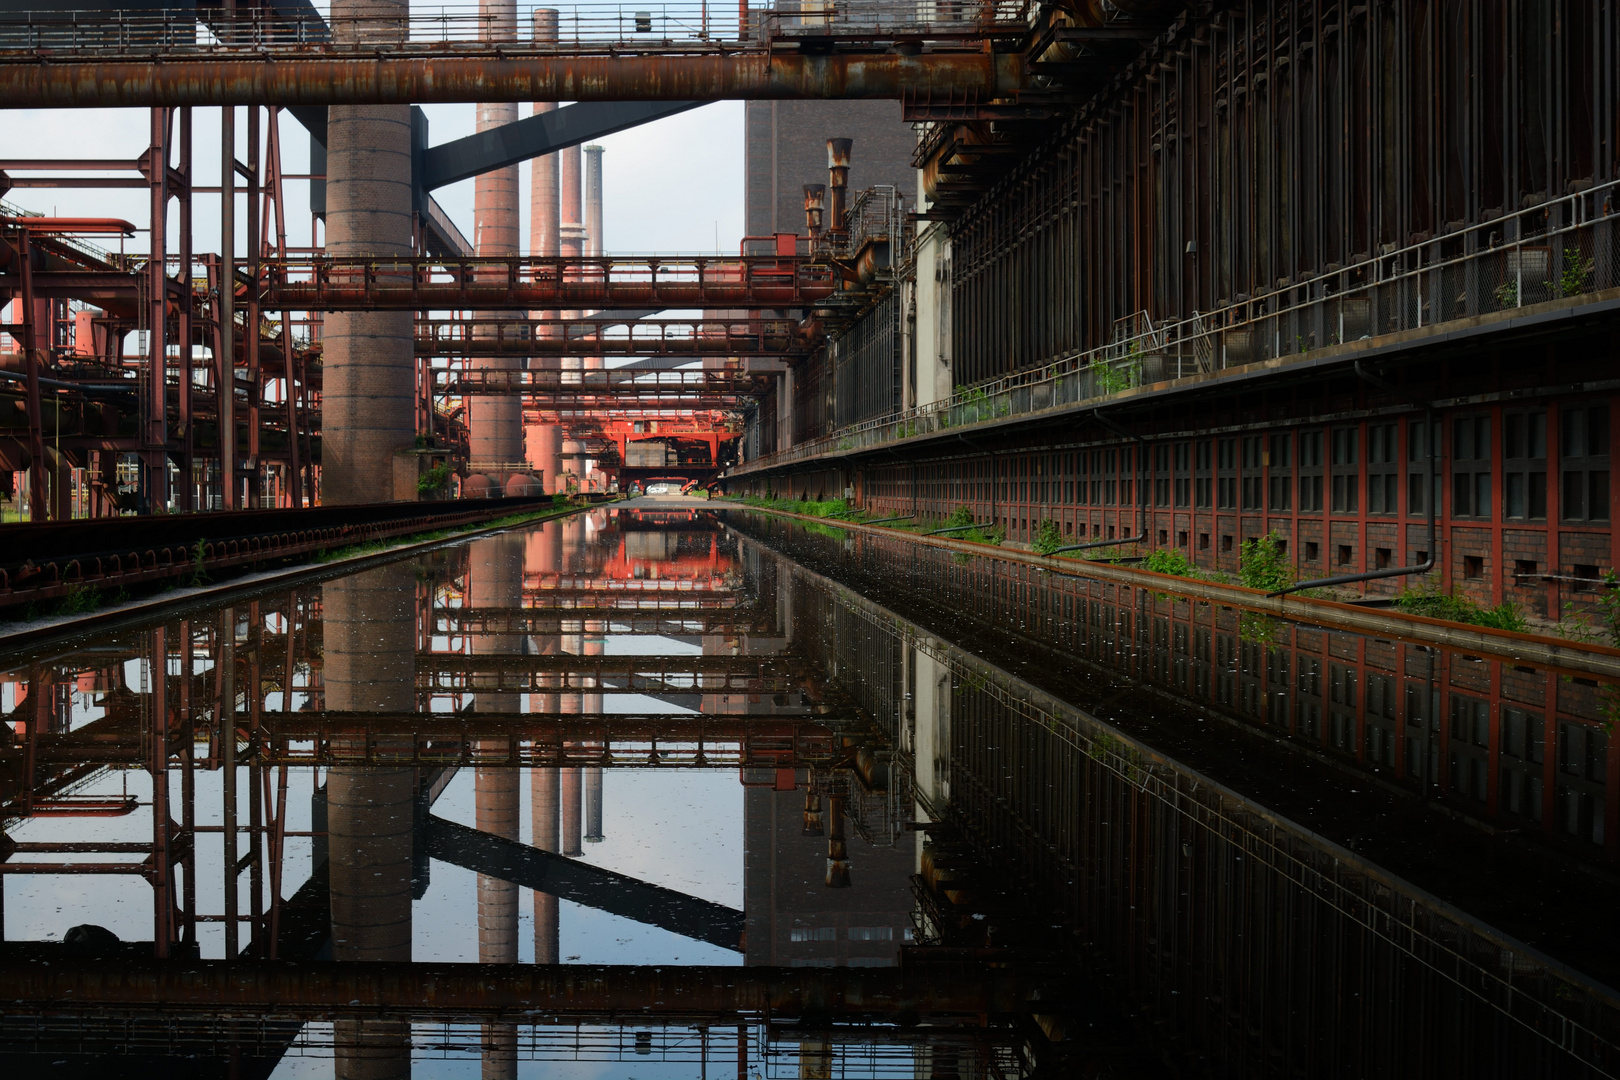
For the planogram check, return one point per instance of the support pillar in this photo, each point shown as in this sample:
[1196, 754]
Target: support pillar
[369, 403]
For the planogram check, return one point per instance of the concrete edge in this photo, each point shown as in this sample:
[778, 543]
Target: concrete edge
[64, 627]
[1538, 650]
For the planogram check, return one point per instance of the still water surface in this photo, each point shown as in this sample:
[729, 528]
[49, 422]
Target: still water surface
[708, 793]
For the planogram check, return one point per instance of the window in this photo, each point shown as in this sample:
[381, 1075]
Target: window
[1253, 479]
[1585, 464]
[1382, 454]
[1281, 487]
[1161, 475]
[1346, 479]
[1226, 485]
[1524, 465]
[1417, 481]
[871, 933]
[1583, 755]
[1203, 494]
[1519, 773]
[1471, 466]
[1183, 475]
[1346, 554]
[813, 933]
[1473, 566]
[1110, 472]
[1310, 472]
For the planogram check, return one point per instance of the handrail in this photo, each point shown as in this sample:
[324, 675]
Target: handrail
[1116, 365]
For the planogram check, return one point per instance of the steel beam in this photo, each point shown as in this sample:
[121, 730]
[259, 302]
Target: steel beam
[649, 994]
[538, 135]
[583, 883]
[65, 82]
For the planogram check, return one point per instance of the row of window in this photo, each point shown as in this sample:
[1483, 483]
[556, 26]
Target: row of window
[1312, 471]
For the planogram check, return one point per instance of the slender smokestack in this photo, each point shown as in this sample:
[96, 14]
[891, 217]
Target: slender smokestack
[593, 200]
[495, 421]
[838, 151]
[815, 206]
[543, 443]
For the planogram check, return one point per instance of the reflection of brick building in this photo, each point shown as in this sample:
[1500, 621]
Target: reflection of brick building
[794, 919]
[785, 148]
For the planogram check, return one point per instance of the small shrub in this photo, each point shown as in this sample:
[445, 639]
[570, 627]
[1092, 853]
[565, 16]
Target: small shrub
[1575, 276]
[960, 517]
[1262, 565]
[78, 600]
[434, 480]
[1170, 561]
[1429, 601]
[1048, 538]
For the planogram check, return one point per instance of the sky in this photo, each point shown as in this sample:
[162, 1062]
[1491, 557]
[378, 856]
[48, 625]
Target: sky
[671, 186]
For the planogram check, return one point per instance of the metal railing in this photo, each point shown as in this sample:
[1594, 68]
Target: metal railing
[463, 27]
[1560, 249]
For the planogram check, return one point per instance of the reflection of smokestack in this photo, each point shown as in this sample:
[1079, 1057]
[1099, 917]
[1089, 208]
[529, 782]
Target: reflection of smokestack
[593, 804]
[545, 554]
[837, 853]
[543, 792]
[838, 151]
[815, 206]
[570, 812]
[593, 201]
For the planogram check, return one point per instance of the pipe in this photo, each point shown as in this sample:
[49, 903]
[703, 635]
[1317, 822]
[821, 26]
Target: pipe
[67, 82]
[1433, 435]
[1141, 492]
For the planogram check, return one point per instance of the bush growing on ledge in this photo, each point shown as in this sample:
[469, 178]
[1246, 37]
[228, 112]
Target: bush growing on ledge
[1262, 564]
[1170, 561]
[1048, 538]
[1429, 601]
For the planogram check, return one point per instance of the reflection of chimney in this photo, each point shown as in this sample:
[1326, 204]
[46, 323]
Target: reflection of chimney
[815, 206]
[570, 809]
[837, 853]
[543, 792]
[838, 151]
[593, 201]
[593, 804]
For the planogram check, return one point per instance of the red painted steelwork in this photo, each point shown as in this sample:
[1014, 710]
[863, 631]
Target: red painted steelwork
[335, 284]
[68, 82]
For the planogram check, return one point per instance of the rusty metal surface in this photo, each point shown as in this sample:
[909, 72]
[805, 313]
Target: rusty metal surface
[66, 81]
[335, 283]
[607, 337]
[651, 994]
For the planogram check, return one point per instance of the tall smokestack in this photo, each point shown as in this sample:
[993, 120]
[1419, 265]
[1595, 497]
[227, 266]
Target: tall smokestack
[593, 200]
[495, 421]
[543, 444]
[838, 151]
